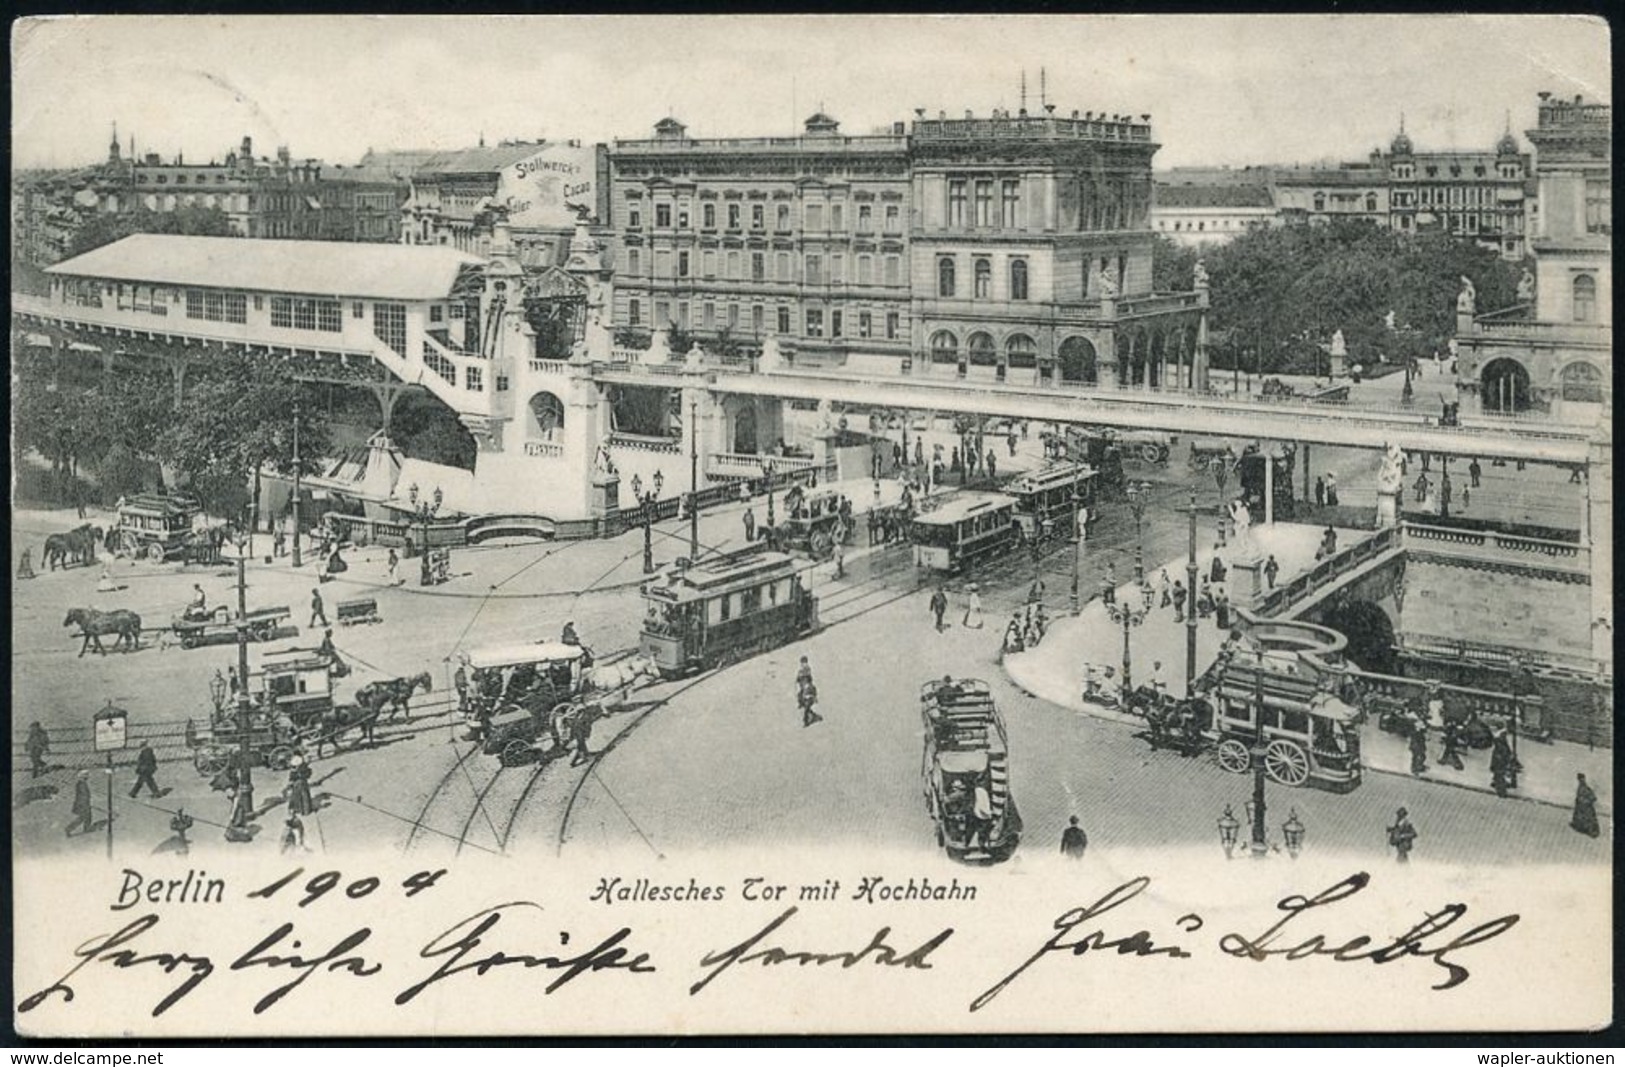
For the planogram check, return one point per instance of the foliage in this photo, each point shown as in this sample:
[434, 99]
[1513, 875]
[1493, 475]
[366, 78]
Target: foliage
[106, 228]
[428, 430]
[120, 473]
[1172, 265]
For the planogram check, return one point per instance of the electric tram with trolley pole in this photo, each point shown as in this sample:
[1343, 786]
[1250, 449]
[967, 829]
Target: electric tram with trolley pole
[723, 609]
[964, 529]
[1048, 499]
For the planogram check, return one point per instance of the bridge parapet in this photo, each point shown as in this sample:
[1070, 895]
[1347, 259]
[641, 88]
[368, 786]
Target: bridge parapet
[1499, 547]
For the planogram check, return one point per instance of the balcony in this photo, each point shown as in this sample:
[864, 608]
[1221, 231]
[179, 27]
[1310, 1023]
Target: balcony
[1517, 324]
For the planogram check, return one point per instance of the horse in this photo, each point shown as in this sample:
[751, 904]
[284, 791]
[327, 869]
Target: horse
[58, 549]
[340, 720]
[85, 539]
[396, 693]
[613, 680]
[94, 624]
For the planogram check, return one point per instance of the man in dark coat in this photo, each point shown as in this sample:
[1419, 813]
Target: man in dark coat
[1217, 571]
[146, 765]
[1271, 569]
[1503, 764]
[1402, 836]
[1320, 492]
[580, 735]
[1585, 809]
[1419, 747]
[38, 744]
[317, 610]
[83, 813]
[939, 606]
[1074, 840]
[1451, 756]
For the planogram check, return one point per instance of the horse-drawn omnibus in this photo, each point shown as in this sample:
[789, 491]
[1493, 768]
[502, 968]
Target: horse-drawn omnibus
[966, 772]
[1048, 499]
[812, 521]
[964, 529]
[518, 696]
[724, 609]
[290, 699]
[154, 525]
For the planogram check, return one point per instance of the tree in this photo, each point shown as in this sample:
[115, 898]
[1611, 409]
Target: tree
[105, 229]
[1172, 265]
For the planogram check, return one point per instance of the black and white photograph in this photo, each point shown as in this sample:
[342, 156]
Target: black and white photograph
[811, 524]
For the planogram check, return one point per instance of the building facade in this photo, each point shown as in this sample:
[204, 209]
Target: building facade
[1476, 196]
[1196, 215]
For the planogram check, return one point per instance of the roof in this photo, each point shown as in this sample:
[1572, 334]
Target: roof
[508, 655]
[1213, 196]
[962, 505]
[329, 268]
[481, 160]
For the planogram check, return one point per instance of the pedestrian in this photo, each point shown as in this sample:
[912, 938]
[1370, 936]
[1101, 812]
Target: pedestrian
[750, 524]
[939, 606]
[1504, 766]
[38, 746]
[459, 681]
[317, 609]
[1271, 569]
[25, 566]
[1221, 612]
[1074, 840]
[1179, 601]
[300, 801]
[981, 816]
[807, 698]
[1427, 462]
[1402, 836]
[1320, 492]
[1158, 682]
[1444, 495]
[1466, 498]
[1419, 747]
[1330, 541]
[1217, 570]
[1167, 588]
[992, 465]
[1585, 808]
[179, 824]
[840, 552]
[83, 813]
[568, 635]
[1331, 489]
[1451, 755]
[919, 452]
[394, 565]
[1474, 472]
[146, 766]
[580, 736]
[293, 834]
[973, 609]
[1422, 485]
[1108, 589]
[279, 542]
[241, 814]
[1011, 441]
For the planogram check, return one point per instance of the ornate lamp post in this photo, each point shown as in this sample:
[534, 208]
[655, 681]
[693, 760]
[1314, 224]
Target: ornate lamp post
[423, 511]
[1139, 495]
[1128, 612]
[245, 780]
[767, 469]
[1077, 547]
[1190, 617]
[1221, 475]
[1229, 827]
[646, 503]
[297, 561]
[1256, 807]
[1292, 830]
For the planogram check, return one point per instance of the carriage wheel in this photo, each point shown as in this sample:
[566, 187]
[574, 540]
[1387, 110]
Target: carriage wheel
[189, 639]
[517, 752]
[821, 544]
[262, 631]
[1233, 756]
[209, 761]
[1286, 762]
[155, 552]
[280, 758]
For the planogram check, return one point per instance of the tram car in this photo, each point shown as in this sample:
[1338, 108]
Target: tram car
[963, 530]
[1100, 452]
[1048, 499]
[966, 772]
[724, 609]
[1273, 699]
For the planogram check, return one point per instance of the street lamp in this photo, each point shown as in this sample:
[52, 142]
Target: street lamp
[245, 781]
[1229, 827]
[423, 511]
[1190, 618]
[1292, 830]
[1257, 753]
[1077, 546]
[646, 503]
[767, 469]
[1221, 475]
[1139, 495]
[1127, 612]
[297, 560]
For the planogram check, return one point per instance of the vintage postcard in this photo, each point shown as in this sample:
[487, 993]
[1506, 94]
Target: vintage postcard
[665, 526]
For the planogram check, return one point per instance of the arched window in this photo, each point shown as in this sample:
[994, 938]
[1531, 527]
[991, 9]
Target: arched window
[1582, 382]
[944, 347]
[945, 276]
[1371, 202]
[548, 411]
[1018, 279]
[1585, 298]
[1021, 351]
[1320, 201]
[982, 351]
[984, 279]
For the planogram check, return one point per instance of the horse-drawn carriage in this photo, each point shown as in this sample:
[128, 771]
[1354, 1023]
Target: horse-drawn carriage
[155, 526]
[813, 522]
[194, 629]
[532, 701]
[966, 772]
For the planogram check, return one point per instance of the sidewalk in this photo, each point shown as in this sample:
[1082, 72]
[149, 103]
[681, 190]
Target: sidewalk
[1548, 768]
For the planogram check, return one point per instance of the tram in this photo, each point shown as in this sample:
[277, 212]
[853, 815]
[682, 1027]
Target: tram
[723, 609]
[966, 528]
[1048, 499]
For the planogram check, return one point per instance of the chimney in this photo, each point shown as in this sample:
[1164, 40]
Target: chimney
[248, 147]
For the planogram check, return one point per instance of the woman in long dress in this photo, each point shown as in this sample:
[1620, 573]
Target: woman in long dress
[1585, 809]
[973, 609]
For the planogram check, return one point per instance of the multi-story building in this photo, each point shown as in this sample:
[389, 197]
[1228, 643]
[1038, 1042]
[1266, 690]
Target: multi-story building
[1319, 194]
[1194, 215]
[1012, 245]
[535, 187]
[1478, 196]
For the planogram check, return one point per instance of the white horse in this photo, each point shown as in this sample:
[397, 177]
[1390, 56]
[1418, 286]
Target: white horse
[608, 683]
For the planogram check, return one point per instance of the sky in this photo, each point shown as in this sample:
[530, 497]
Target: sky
[1219, 89]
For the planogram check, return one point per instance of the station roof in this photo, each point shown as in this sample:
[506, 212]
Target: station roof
[325, 268]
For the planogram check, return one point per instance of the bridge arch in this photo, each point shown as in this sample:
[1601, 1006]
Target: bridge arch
[1504, 385]
[1079, 361]
[744, 436]
[1370, 632]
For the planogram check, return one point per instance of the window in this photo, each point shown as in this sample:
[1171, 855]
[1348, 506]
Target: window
[956, 203]
[708, 317]
[893, 325]
[1010, 211]
[894, 270]
[944, 347]
[329, 316]
[984, 204]
[634, 261]
[782, 265]
[733, 216]
[815, 270]
[815, 322]
[837, 217]
[732, 263]
[682, 315]
[837, 268]
[708, 263]
[708, 216]
[757, 214]
[282, 314]
[815, 217]
[304, 314]
[682, 264]
[866, 270]
[866, 218]
[1018, 279]
[1021, 351]
[1371, 201]
[194, 306]
[634, 219]
[662, 263]
[1599, 207]
[1582, 382]
[388, 322]
[758, 266]
[662, 216]
[662, 317]
[784, 320]
[865, 324]
[358, 310]
[835, 324]
[1320, 201]
[784, 218]
[758, 317]
[1585, 298]
[893, 219]
[984, 279]
[682, 216]
[945, 276]
[474, 379]
[733, 316]
[634, 312]
[436, 313]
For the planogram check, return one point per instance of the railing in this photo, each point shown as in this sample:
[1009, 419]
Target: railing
[1529, 329]
[360, 530]
[544, 449]
[1327, 572]
[548, 366]
[1489, 545]
[749, 465]
[1156, 303]
[1028, 127]
[643, 443]
[1480, 652]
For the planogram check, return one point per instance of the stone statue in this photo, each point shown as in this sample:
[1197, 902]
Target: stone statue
[1242, 520]
[826, 416]
[1108, 286]
[772, 358]
[602, 465]
[1199, 275]
[1339, 346]
[1388, 319]
[1390, 478]
[695, 356]
[1468, 299]
[1526, 287]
